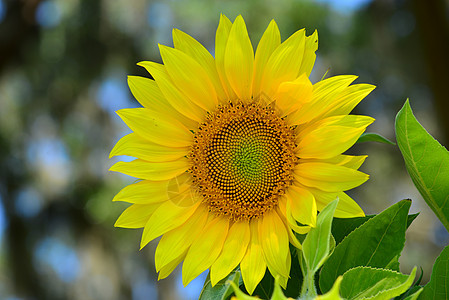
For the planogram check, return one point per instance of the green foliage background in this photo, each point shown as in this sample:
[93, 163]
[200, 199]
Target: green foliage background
[63, 68]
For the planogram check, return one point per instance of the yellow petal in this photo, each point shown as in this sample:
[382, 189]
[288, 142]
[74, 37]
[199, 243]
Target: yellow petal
[194, 49]
[270, 40]
[309, 54]
[180, 102]
[331, 87]
[168, 268]
[328, 177]
[289, 221]
[144, 192]
[348, 99]
[157, 128]
[147, 93]
[239, 60]
[136, 146]
[205, 249]
[150, 170]
[328, 141]
[253, 264]
[274, 240]
[221, 39]
[349, 161]
[283, 64]
[178, 240]
[166, 217]
[350, 121]
[331, 136]
[356, 121]
[291, 95]
[291, 235]
[233, 251]
[302, 204]
[136, 216]
[346, 208]
[282, 280]
[324, 94]
[189, 76]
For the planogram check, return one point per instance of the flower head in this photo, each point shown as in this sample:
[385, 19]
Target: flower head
[237, 152]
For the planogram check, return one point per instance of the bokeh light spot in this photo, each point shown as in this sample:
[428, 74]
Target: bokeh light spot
[28, 202]
[113, 95]
[48, 14]
[60, 257]
[2, 10]
[3, 220]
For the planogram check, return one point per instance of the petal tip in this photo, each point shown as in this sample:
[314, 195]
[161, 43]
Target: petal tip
[112, 153]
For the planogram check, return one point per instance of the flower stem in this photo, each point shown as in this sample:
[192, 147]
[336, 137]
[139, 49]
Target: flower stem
[308, 285]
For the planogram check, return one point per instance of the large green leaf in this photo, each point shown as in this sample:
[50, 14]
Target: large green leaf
[374, 137]
[316, 246]
[341, 227]
[438, 286]
[376, 243]
[366, 283]
[427, 162]
[222, 290]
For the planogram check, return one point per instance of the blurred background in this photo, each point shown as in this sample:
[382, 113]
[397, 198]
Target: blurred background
[63, 68]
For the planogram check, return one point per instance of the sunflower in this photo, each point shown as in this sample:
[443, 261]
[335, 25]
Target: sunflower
[237, 153]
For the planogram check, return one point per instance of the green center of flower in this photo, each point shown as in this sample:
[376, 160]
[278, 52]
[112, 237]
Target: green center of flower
[242, 160]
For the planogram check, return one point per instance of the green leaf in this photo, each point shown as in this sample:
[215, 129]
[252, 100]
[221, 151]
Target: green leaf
[316, 248]
[366, 282]
[342, 227]
[277, 293]
[415, 294]
[334, 293]
[393, 264]
[222, 290]
[240, 295]
[374, 244]
[374, 137]
[411, 218]
[316, 245]
[414, 290]
[438, 286]
[426, 160]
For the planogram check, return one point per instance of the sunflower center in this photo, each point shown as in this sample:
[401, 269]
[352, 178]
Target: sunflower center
[242, 160]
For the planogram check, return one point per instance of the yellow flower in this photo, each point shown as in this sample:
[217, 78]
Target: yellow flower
[237, 152]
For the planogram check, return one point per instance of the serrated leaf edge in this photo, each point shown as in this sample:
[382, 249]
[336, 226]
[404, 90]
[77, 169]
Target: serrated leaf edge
[387, 270]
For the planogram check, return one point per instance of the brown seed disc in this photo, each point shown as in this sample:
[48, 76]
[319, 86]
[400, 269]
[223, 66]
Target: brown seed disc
[242, 160]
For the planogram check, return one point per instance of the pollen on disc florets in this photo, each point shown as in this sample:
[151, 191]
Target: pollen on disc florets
[242, 160]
